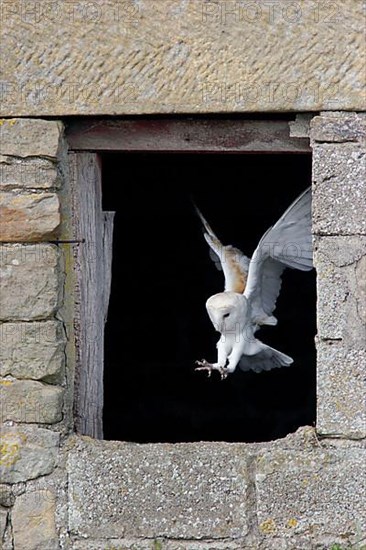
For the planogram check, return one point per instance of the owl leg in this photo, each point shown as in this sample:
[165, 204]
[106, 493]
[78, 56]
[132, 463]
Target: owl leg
[221, 362]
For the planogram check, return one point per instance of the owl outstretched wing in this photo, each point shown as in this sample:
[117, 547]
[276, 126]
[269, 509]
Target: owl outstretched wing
[229, 259]
[287, 244]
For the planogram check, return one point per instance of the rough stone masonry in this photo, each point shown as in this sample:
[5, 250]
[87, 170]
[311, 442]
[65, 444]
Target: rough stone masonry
[181, 56]
[32, 332]
[60, 490]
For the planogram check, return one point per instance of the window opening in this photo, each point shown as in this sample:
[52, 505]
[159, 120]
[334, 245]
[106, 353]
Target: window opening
[162, 274]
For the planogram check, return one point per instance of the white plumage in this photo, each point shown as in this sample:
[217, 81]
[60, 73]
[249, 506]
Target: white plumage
[252, 288]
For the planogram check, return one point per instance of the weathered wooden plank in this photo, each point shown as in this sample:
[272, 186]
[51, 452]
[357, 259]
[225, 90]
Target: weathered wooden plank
[93, 272]
[108, 255]
[188, 135]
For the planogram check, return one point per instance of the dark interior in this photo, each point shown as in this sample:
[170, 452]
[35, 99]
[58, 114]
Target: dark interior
[162, 276]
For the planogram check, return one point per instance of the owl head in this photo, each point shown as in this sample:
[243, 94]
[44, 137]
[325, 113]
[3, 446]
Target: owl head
[227, 311]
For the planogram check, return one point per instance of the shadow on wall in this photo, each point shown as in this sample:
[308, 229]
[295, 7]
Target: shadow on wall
[162, 275]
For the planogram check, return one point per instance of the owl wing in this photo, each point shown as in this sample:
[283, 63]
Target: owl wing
[228, 259]
[287, 244]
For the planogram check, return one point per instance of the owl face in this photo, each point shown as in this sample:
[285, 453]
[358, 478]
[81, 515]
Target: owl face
[226, 310]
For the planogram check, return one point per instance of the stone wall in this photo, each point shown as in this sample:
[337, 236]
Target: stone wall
[33, 382]
[113, 57]
[60, 490]
[297, 493]
[339, 201]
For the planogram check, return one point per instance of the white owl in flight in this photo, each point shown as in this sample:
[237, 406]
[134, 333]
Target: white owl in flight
[252, 287]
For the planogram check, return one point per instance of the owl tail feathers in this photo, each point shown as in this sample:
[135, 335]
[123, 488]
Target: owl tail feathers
[282, 359]
[289, 241]
[266, 359]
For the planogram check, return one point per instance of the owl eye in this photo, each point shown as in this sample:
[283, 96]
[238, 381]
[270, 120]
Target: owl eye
[226, 315]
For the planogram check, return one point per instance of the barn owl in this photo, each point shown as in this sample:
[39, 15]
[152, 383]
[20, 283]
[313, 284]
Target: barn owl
[252, 287]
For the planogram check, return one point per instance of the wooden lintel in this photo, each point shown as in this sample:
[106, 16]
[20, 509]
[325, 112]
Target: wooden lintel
[185, 136]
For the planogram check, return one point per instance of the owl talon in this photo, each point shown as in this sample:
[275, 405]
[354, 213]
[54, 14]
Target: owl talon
[204, 365]
[224, 373]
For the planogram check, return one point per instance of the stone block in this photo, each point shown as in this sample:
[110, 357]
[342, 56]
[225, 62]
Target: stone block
[341, 289]
[33, 520]
[30, 402]
[159, 544]
[181, 491]
[28, 173]
[26, 453]
[22, 137]
[302, 543]
[175, 56]
[341, 401]
[318, 493]
[339, 128]
[339, 189]
[300, 127]
[32, 350]
[29, 281]
[3, 521]
[6, 495]
[30, 217]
